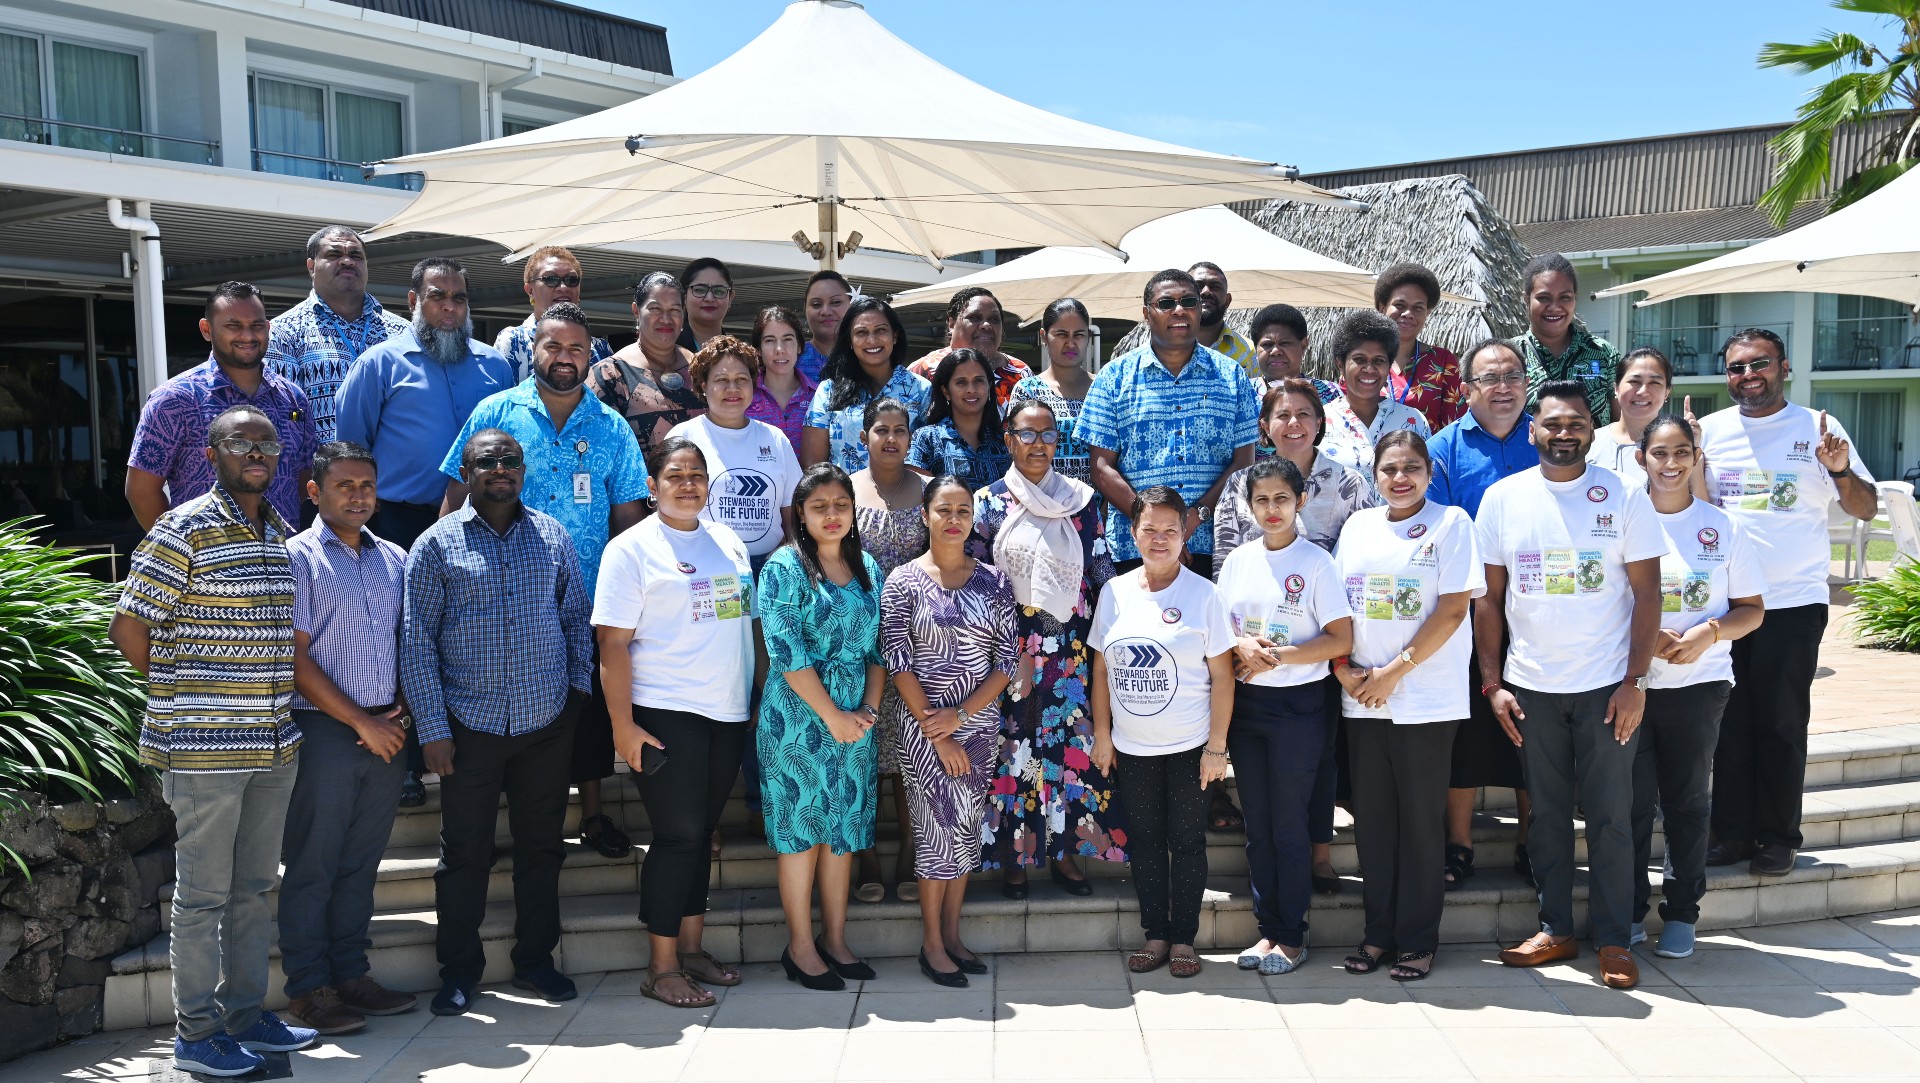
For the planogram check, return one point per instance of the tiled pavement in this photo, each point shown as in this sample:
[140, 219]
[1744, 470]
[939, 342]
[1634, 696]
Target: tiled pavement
[1825, 999]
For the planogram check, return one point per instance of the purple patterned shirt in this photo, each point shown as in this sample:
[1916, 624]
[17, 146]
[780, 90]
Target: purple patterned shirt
[790, 418]
[171, 439]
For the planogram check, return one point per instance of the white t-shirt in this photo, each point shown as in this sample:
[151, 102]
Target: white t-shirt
[1157, 644]
[1395, 574]
[1287, 595]
[688, 596]
[1709, 560]
[1619, 456]
[1566, 546]
[751, 472]
[1770, 482]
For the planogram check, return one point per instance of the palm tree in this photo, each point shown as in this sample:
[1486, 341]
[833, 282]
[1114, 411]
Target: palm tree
[1880, 84]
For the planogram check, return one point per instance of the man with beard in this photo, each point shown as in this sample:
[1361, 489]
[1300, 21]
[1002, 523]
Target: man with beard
[584, 469]
[406, 399]
[207, 616]
[496, 656]
[168, 464]
[1215, 300]
[1779, 467]
[1573, 570]
[315, 342]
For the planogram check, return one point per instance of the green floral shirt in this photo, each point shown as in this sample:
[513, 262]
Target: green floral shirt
[1588, 358]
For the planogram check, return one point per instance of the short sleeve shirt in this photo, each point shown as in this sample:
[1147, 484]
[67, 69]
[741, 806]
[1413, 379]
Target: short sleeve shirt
[1350, 441]
[844, 447]
[1395, 575]
[1432, 385]
[789, 419]
[650, 406]
[1070, 455]
[938, 449]
[516, 345]
[347, 603]
[1156, 645]
[1709, 561]
[751, 475]
[314, 347]
[1588, 359]
[1287, 596]
[1008, 371]
[688, 596]
[171, 438]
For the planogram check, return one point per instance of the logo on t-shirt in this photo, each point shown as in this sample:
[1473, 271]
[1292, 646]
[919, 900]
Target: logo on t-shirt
[685, 568]
[1295, 585]
[766, 452]
[743, 500]
[1416, 530]
[1170, 615]
[1709, 538]
[1141, 676]
[1597, 493]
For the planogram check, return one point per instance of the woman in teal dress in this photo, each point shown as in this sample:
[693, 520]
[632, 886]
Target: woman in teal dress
[820, 612]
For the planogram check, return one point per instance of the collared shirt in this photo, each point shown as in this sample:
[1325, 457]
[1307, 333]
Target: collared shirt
[516, 345]
[1588, 358]
[811, 362]
[844, 446]
[1326, 389]
[1239, 349]
[596, 444]
[347, 602]
[217, 600]
[1350, 441]
[1070, 455]
[1169, 430]
[1007, 372]
[171, 438]
[496, 627]
[405, 407]
[1431, 384]
[314, 347]
[792, 417]
[1467, 459]
[939, 449]
[1334, 492]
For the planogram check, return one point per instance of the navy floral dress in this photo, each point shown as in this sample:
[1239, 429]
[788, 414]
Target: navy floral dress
[1047, 798]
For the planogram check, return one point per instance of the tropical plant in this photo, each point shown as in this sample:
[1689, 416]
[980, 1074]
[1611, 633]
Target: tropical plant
[70, 706]
[1886, 610]
[1880, 83]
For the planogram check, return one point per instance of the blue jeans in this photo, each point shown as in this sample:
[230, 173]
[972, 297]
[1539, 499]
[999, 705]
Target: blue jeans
[1276, 739]
[225, 861]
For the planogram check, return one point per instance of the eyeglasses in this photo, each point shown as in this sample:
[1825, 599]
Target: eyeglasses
[554, 282]
[240, 445]
[1496, 379]
[1045, 436]
[1168, 304]
[1741, 368]
[499, 462]
[706, 292]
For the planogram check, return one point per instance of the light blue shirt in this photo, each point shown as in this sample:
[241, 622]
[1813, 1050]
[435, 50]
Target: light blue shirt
[1467, 460]
[844, 446]
[405, 407]
[596, 442]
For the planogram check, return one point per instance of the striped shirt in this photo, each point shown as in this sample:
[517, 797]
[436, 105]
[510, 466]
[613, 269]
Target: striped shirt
[348, 604]
[217, 600]
[314, 346]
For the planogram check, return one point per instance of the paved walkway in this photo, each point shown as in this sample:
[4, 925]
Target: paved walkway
[1824, 999]
[1860, 687]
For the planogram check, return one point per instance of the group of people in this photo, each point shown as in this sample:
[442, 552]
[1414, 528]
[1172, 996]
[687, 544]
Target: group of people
[1057, 609]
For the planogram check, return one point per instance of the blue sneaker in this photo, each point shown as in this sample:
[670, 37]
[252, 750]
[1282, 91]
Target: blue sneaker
[269, 1034]
[1676, 940]
[218, 1055]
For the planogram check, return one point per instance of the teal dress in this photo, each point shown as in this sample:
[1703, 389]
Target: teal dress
[813, 788]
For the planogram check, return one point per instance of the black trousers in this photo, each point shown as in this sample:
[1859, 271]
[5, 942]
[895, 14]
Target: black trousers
[684, 799]
[1332, 778]
[531, 769]
[1167, 808]
[1400, 827]
[1760, 765]
[1276, 739]
[1671, 771]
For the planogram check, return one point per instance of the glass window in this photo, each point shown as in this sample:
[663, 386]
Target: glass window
[368, 130]
[289, 127]
[100, 88]
[515, 125]
[20, 89]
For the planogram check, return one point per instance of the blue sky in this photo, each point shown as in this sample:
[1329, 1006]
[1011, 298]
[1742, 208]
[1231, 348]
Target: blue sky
[1343, 84]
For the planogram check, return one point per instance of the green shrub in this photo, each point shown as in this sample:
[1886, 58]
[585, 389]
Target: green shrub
[70, 706]
[1887, 610]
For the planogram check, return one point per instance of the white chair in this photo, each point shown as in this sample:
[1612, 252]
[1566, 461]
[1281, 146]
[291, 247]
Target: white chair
[1903, 519]
[1845, 530]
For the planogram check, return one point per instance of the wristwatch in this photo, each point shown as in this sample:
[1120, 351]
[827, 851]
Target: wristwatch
[965, 718]
[1407, 657]
[1206, 513]
[1639, 682]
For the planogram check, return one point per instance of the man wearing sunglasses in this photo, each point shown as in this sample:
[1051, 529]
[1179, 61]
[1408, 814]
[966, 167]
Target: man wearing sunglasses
[495, 662]
[315, 342]
[1778, 468]
[168, 464]
[552, 275]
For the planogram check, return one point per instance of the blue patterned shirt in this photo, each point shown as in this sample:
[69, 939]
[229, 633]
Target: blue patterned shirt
[496, 627]
[938, 449]
[812, 362]
[844, 447]
[516, 345]
[348, 605]
[405, 407]
[597, 442]
[1172, 430]
[314, 347]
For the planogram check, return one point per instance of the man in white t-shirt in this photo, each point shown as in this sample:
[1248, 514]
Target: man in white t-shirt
[1778, 468]
[1573, 570]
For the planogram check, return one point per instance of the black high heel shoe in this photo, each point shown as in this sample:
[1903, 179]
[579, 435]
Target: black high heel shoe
[1069, 885]
[829, 982]
[955, 980]
[854, 971]
[1014, 889]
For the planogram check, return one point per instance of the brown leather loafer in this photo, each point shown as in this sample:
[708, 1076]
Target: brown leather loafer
[1772, 860]
[322, 1010]
[1539, 949]
[369, 997]
[1617, 968]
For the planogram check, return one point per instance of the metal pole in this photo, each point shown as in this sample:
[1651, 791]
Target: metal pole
[829, 204]
[93, 388]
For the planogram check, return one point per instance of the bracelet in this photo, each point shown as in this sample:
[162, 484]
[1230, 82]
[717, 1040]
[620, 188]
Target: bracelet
[1714, 623]
[1211, 752]
[1487, 690]
[1838, 474]
[1343, 660]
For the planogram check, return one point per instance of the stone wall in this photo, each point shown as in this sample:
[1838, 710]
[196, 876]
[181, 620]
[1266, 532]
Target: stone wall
[96, 874]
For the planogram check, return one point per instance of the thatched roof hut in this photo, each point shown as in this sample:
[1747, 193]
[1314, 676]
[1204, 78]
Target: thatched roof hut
[1442, 222]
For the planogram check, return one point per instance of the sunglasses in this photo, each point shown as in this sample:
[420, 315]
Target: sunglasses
[499, 462]
[240, 445]
[1741, 368]
[713, 293]
[554, 282]
[1168, 304]
[1045, 436]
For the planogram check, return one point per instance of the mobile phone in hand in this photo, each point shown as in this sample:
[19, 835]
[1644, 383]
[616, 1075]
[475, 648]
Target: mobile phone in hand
[652, 759]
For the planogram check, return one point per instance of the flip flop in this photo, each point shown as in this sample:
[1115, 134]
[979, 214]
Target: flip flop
[647, 990]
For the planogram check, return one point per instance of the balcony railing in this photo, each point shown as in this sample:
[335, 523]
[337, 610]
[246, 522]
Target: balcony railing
[66, 133]
[1694, 351]
[333, 169]
[1872, 342]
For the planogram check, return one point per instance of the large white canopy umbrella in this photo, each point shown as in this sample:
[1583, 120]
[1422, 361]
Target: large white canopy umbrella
[1871, 249]
[826, 121]
[1261, 267]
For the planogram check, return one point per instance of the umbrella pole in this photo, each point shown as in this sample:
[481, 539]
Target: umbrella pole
[829, 233]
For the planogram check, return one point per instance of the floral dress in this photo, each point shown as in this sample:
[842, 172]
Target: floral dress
[1047, 797]
[891, 538]
[651, 407]
[951, 641]
[815, 789]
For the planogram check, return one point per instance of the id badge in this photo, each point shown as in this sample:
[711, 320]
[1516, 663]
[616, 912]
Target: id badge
[582, 488]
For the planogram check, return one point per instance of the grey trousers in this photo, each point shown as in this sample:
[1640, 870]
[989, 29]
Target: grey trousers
[225, 861]
[337, 827]
[1572, 758]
